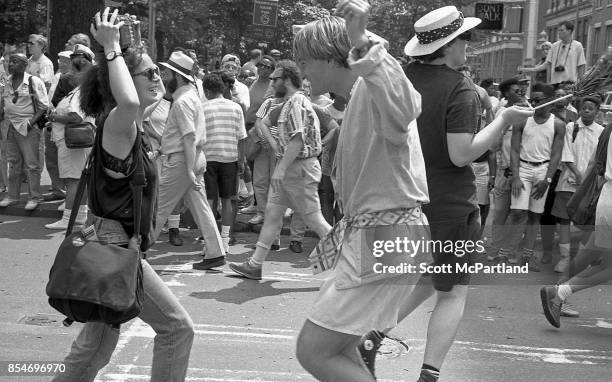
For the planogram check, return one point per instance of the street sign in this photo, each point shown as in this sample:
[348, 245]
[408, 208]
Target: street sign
[491, 14]
[261, 33]
[265, 13]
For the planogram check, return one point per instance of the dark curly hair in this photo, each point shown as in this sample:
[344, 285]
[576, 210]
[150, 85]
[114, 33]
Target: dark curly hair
[213, 83]
[96, 96]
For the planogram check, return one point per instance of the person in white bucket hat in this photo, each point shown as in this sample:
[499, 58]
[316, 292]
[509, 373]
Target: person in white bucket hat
[447, 127]
[180, 63]
[183, 159]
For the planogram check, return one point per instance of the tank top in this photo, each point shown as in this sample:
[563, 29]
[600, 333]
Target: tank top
[112, 198]
[537, 140]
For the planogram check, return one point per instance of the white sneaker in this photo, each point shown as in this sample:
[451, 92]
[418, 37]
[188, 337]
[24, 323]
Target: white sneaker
[61, 224]
[7, 202]
[257, 219]
[562, 265]
[31, 205]
[248, 210]
[61, 207]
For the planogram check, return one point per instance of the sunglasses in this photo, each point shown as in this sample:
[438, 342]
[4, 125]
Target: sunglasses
[15, 97]
[465, 36]
[265, 66]
[148, 73]
[276, 78]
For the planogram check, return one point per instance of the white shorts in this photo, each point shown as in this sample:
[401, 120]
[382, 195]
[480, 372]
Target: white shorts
[530, 175]
[603, 218]
[353, 300]
[71, 162]
[481, 170]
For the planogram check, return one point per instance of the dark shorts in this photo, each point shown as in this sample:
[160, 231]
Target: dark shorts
[457, 231]
[221, 179]
[559, 208]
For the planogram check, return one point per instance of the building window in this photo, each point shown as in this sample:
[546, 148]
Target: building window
[608, 39]
[596, 47]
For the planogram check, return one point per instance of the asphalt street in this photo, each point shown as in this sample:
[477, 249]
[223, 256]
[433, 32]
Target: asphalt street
[245, 330]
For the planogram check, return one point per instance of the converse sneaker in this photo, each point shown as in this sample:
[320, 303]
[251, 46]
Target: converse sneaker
[246, 270]
[368, 347]
[552, 311]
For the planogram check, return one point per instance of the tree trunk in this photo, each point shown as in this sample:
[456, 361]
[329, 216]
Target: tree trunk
[69, 17]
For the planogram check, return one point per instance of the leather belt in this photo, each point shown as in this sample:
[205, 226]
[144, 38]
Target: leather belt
[535, 163]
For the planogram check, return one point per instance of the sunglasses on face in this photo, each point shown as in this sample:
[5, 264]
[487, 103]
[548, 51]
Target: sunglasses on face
[276, 78]
[149, 73]
[265, 66]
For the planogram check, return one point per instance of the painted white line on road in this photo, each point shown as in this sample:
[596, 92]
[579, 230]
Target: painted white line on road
[227, 333]
[224, 375]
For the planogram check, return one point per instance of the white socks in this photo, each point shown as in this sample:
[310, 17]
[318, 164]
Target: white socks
[564, 250]
[225, 230]
[261, 252]
[564, 291]
[174, 221]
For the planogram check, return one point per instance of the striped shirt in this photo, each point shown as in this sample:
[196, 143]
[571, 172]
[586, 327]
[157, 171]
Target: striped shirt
[264, 110]
[298, 117]
[224, 123]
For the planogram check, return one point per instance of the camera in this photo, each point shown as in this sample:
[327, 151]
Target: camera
[129, 33]
[559, 68]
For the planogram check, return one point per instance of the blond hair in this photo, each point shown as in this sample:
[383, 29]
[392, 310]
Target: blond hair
[324, 39]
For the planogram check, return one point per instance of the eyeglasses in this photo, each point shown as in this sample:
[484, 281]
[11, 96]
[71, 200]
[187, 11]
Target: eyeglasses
[465, 36]
[265, 66]
[15, 97]
[150, 73]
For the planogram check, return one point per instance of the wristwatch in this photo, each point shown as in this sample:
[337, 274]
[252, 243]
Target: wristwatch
[112, 55]
[549, 180]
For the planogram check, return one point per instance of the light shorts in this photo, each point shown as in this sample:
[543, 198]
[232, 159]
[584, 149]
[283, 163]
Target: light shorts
[356, 311]
[71, 162]
[300, 189]
[481, 170]
[354, 299]
[530, 175]
[603, 218]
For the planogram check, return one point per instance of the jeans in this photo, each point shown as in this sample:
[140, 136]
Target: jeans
[173, 327]
[51, 160]
[174, 184]
[263, 169]
[501, 201]
[3, 164]
[297, 227]
[22, 150]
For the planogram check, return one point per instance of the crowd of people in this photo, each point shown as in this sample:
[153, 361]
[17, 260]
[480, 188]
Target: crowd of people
[355, 144]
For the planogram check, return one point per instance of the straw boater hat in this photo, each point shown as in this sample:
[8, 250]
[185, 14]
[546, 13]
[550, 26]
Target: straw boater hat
[438, 28]
[180, 63]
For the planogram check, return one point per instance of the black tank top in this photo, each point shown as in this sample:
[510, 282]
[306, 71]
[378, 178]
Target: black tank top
[112, 198]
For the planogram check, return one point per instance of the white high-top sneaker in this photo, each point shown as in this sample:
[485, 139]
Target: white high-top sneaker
[61, 224]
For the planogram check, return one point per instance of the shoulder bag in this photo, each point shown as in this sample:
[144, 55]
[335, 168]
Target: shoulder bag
[79, 135]
[95, 282]
[581, 206]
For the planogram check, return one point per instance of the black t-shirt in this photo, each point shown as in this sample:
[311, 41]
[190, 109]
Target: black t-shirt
[112, 198]
[66, 84]
[450, 104]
